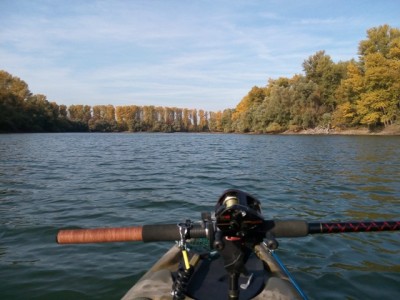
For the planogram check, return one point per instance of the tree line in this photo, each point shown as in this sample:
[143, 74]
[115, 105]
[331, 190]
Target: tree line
[21, 111]
[363, 92]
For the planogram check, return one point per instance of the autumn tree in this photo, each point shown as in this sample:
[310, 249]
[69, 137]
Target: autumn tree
[160, 119]
[347, 95]
[80, 113]
[194, 119]
[121, 116]
[134, 114]
[203, 122]
[213, 122]
[13, 85]
[186, 122]
[178, 121]
[149, 118]
[225, 120]
[344, 94]
[242, 117]
[380, 59]
[103, 119]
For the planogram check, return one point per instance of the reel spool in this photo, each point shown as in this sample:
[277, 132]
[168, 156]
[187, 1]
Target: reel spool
[238, 214]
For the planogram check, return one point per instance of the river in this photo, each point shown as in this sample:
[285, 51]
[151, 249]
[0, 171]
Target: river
[64, 180]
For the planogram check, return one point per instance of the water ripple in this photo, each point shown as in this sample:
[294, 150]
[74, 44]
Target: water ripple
[52, 181]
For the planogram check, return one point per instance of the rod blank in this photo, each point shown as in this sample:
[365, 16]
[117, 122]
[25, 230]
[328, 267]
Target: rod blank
[341, 227]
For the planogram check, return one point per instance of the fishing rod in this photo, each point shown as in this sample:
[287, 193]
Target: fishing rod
[170, 232]
[234, 230]
[237, 214]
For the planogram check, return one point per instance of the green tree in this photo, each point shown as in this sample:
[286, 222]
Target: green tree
[226, 120]
[305, 110]
[13, 94]
[42, 114]
[63, 112]
[320, 69]
[275, 107]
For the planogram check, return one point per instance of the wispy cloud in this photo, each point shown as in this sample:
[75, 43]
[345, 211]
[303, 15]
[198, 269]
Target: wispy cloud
[322, 21]
[204, 54]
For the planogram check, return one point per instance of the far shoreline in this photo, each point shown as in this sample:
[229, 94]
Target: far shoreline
[391, 130]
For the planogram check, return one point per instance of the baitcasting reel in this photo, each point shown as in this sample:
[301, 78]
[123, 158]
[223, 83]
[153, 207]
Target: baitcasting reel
[238, 215]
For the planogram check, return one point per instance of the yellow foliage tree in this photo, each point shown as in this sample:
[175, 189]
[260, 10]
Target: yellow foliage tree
[380, 58]
[347, 95]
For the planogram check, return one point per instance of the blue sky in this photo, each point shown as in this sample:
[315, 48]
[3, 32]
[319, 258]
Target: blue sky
[187, 54]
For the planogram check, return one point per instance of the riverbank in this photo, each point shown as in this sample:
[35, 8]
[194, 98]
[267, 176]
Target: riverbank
[389, 130]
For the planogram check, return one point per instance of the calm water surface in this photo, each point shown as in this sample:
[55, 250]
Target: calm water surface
[53, 181]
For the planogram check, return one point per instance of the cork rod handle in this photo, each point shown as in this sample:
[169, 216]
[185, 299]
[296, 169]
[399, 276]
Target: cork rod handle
[99, 235]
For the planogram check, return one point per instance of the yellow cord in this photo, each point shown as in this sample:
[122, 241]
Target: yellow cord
[186, 259]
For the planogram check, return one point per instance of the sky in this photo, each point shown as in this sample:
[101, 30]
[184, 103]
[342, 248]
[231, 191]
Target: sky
[188, 54]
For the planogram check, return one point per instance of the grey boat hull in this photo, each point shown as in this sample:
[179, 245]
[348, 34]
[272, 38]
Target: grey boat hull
[157, 283]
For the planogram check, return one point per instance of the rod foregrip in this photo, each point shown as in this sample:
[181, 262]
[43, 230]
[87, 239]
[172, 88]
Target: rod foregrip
[99, 235]
[287, 228]
[170, 232]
